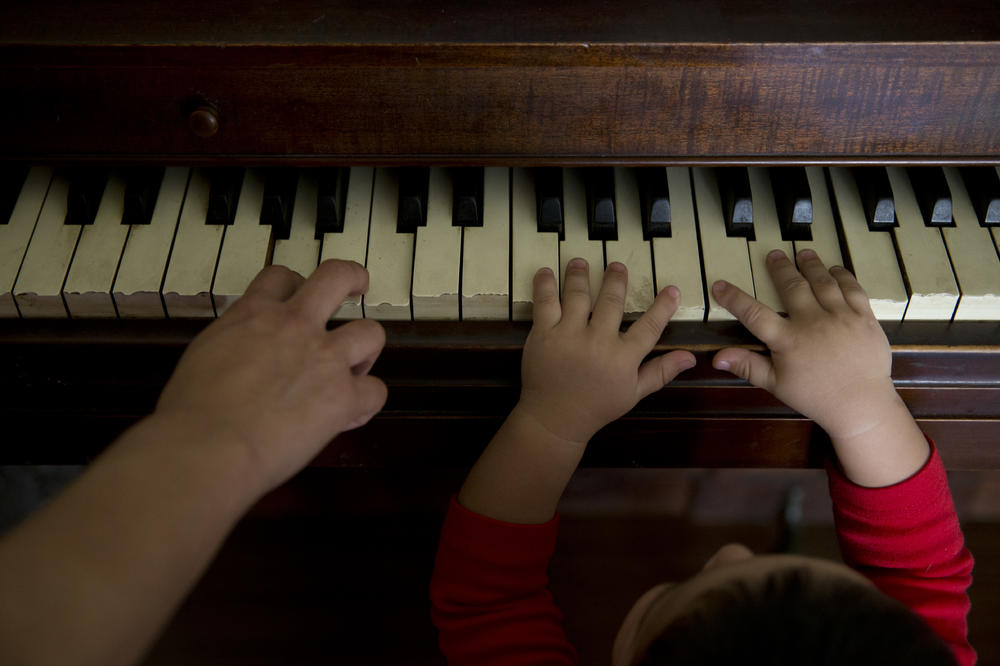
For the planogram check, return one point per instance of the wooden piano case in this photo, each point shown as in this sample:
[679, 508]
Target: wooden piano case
[307, 83]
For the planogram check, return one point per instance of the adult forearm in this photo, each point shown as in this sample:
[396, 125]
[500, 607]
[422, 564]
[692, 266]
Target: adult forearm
[523, 472]
[92, 577]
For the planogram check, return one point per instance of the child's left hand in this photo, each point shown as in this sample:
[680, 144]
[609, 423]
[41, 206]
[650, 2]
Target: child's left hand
[579, 375]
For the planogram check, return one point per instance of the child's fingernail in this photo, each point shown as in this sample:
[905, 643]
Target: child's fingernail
[719, 287]
[616, 266]
[674, 293]
[688, 364]
[577, 263]
[774, 255]
[545, 271]
[722, 365]
[807, 254]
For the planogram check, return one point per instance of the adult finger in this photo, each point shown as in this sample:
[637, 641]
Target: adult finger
[576, 292]
[370, 394]
[824, 285]
[759, 319]
[328, 286]
[360, 342]
[751, 366]
[853, 292]
[657, 372]
[610, 303]
[545, 309]
[275, 283]
[793, 289]
[647, 329]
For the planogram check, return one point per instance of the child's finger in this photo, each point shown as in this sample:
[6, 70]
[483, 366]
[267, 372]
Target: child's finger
[852, 290]
[610, 302]
[824, 286]
[657, 372]
[576, 291]
[327, 287]
[647, 329]
[793, 289]
[275, 282]
[545, 310]
[759, 319]
[751, 366]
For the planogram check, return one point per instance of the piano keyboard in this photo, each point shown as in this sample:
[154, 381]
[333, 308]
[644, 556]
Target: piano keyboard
[450, 244]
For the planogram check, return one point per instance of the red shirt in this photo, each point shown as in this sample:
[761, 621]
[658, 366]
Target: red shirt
[491, 603]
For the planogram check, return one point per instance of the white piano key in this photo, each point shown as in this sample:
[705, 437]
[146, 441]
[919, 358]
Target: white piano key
[871, 252]
[91, 275]
[14, 235]
[352, 243]
[437, 258]
[676, 259]
[933, 291]
[972, 256]
[824, 227]
[245, 245]
[38, 289]
[631, 248]
[724, 258]
[486, 253]
[530, 250]
[767, 237]
[187, 287]
[390, 254]
[576, 241]
[300, 251]
[144, 261]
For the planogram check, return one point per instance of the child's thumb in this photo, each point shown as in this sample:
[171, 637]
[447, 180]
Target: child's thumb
[751, 366]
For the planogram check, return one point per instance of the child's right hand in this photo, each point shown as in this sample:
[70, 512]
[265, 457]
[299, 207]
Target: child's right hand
[830, 359]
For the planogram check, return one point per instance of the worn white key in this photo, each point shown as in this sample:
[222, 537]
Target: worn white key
[14, 235]
[824, 228]
[767, 237]
[972, 256]
[352, 243]
[38, 289]
[390, 254]
[576, 241]
[631, 248]
[187, 287]
[871, 252]
[144, 261]
[925, 265]
[486, 253]
[300, 251]
[676, 260]
[725, 258]
[437, 259]
[91, 275]
[245, 245]
[530, 250]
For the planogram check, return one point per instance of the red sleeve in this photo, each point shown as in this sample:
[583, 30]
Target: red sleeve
[489, 593]
[907, 540]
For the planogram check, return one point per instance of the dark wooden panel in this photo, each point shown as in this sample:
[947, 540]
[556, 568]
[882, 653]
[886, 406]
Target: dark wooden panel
[502, 103]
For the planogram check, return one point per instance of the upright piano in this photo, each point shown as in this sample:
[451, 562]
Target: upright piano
[155, 155]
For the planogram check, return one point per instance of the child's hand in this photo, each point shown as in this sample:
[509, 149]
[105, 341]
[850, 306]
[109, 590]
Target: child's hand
[270, 376]
[579, 375]
[830, 359]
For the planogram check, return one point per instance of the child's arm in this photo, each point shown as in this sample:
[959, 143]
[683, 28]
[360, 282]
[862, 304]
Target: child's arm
[92, 577]
[489, 596]
[830, 360]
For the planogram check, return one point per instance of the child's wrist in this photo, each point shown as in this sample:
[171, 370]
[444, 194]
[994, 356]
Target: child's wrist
[533, 415]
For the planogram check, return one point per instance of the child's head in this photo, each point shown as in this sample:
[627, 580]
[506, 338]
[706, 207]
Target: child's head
[774, 609]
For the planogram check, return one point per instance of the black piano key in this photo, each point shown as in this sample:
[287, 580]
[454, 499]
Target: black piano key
[11, 181]
[737, 202]
[141, 189]
[549, 197]
[223, 195]
[933, 195]
[279, 200]
[983, 185]
[655, 196]
[331, 202]
[86, 187]
[413, 185]
[467, 197]
[793, 200]
[602, 221]
[876, 197]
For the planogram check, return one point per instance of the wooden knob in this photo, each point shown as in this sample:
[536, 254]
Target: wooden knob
[204, 121]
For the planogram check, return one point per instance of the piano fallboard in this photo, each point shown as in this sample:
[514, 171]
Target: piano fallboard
[70, 386]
